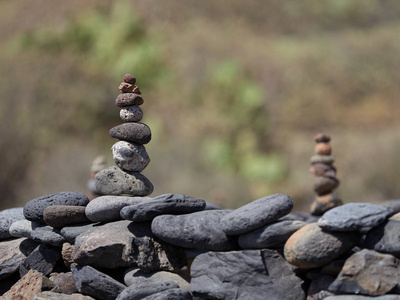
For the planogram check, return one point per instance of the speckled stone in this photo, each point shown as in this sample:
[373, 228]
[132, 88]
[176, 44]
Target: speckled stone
[354, 216]
[133, 132]
[47, 235]
[129, 156]
[128, 99]
[113, 181]
[59, 216]
[33, 210]
[132, 113]
[325, 184]
[310, 247]
[256, 214]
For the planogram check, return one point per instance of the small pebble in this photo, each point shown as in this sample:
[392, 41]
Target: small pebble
[129, 79]
[323, 149]
[325, 184]
[322, 138]
[132, 113]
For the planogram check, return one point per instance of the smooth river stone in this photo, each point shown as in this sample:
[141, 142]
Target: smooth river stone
[385, 238]
[310, 247]
[71, 232]
[199, 230]
[174, 204]
[270, 236]
[132, 132]
[113, 181]
[59, 216]
[129, 156]
[107, 208]
[23, 228]
[354, 216]
[256, 214]
[33, 210]
[132, 113]
[128, 99]
[7, 217]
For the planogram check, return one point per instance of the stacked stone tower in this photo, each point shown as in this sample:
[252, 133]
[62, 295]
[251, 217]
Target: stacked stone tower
[129, 153]
[322, 167]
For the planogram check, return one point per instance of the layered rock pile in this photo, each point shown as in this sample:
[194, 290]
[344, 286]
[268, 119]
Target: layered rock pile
[322, 167]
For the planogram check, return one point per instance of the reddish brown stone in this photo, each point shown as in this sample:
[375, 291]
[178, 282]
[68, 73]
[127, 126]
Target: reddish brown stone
[323, 149]
[325, 184]
[59, 216]
[125, 87]
[129, 79]
[322, 138]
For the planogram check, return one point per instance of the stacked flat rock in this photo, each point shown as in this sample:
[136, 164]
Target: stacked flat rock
[322, 167]
[129, 153]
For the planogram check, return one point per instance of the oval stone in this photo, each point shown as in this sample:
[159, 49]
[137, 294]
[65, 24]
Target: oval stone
[129, 156]
[310, 247]
[62, 215]
[256, 214]
[134, 132]
[34, 209]
[325, 184]
[132, 113]
[385, 238]
[128, 99]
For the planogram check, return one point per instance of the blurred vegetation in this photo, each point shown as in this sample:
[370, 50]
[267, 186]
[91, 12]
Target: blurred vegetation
[233, 94]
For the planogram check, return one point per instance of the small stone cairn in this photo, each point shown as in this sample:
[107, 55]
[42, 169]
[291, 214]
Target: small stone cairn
[322, 167]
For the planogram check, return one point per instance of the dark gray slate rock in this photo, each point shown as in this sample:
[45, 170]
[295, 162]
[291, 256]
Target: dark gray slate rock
[47, 235]
[319, 286]
[132, 132]
[394, 204]
[135, 275]
[172, 294]
[128, 99]
[7, 217]
[368, 272]
[310, 247]
[113, 181]
[132, 113]
[199, 230]
[354, 216]
[256, 214]
[59, 216]
[96, 284]
[232, 275]
[140, 290]
[13, 253]
[71, 232]
[131, 157]
[42, 259]
[174, 204]
[33, 210]
[270, 236]
[107, 208]
[385, 238]
[7, 283]
[356, 297]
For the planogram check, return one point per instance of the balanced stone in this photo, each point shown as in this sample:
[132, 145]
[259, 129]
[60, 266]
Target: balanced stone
[113, 181]
[310, 247]
[354, 216]
[132, 132]
[325, 184]
[129, 156]
[199, 230]
[256, 214]
[323, 203]
[385, 238]
[323, 170]
[128, 99]
[323, 149]
[143, 289]
[107, 208]
[33, 210]
[165, 204]
[129, 78]
[132, 113]
[322, 159]
[59, 216]
[273, 235]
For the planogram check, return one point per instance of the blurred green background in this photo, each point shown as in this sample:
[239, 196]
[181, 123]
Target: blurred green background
[234, 94]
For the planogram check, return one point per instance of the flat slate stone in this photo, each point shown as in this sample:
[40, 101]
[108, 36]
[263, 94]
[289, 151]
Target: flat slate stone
[42, 259]
[71, 232]
[256, 214]
[135, 275]
[47, 235]
[131, 157]
[59, 216]
[310, 247]
[143, 289]
[199, 230]
[132, 113]
[96, 284]
[33, 210]
[270, 236]
[134, 132]
[114, 181]
[354, 216]
[385, 238]
[128, 99]
[174, 204]
[171, 294]
[107, 208]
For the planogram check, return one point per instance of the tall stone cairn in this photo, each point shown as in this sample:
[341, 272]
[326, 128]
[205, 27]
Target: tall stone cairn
[129, 153]
[322, 167]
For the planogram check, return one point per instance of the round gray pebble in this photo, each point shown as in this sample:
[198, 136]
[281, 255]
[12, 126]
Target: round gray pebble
[132, 113]
[129, 156]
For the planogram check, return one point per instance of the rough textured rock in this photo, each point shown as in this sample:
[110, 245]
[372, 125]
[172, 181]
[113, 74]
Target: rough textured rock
[134, 276]
[66, 253]
[310, 247]
[140, 290]
[96, 284]
[59, 216]
[107, 208]
[199, 230]
[385, 238]
[256, 214]
[113, 181]
[23, 228]
[42, 259]
[12, 255]
[172, 294]
[33, 210]
[273, 235]
[128, 99]
[354, 216]
[232, 275]
[47, 235]
[71, 232]
[165, 204]
[134, 132]
[57, 296]
[368, 272]
[131, 113]
[65, 282]
[131, 157]
[7, 217]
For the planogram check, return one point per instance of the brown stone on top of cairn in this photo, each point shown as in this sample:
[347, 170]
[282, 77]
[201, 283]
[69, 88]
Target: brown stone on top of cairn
[129, 79]
[125, 87]
[321, 167]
